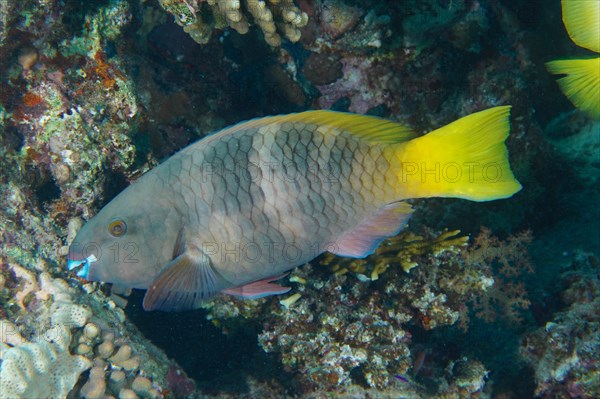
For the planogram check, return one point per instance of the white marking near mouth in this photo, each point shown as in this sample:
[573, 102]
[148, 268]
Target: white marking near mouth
[91, 259]
[84, 263]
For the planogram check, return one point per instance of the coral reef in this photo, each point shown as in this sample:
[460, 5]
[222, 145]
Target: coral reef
[343, 329]
[95, 93]
[52, 333]
[468, 379]
[504, 262]
[349, 331]
[5, 12]
[322, 69]
[68, 110]
[564, 353]
[44, 367]
[275, 19]
[73, 112]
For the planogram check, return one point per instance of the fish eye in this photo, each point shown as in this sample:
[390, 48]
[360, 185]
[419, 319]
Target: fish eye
[117, 228]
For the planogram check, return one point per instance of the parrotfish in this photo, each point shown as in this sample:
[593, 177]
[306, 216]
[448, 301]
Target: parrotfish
[236, 210]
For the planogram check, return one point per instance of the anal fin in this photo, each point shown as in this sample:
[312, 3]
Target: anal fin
[363, 239]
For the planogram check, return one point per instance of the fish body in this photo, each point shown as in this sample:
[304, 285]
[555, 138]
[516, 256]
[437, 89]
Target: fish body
[246, 204]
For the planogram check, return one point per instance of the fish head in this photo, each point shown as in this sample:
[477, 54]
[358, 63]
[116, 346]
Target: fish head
[127, 242]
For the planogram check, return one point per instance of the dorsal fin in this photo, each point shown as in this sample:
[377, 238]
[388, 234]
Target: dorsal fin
[372, 129]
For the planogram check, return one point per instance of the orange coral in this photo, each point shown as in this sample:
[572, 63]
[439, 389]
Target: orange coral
[31, 99]
[104, 71]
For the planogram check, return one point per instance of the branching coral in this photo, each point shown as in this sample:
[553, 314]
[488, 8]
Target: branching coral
[276, 18]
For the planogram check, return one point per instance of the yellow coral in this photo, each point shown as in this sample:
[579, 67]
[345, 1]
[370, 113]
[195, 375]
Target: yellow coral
[275, 19]
[400, 250]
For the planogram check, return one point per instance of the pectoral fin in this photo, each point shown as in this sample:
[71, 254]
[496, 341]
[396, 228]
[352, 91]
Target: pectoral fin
[179, 247]
[184, 283]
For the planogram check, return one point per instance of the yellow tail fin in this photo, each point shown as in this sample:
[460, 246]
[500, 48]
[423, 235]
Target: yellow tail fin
[581, 84]
[465, 159]
[582, 20]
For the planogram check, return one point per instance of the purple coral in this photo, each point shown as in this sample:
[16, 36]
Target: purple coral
[179, 383]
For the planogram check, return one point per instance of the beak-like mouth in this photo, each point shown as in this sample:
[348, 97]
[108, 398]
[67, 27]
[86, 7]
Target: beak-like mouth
[82, 266]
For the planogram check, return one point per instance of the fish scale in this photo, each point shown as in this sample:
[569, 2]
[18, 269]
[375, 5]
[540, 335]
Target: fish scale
[237, 209]
[272, 143]
[285, 223]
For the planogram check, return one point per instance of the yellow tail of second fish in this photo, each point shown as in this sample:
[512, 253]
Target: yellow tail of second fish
[581, 83]
[582, 20]
[465, 159]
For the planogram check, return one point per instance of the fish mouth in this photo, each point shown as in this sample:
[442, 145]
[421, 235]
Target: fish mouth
[81, 266]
